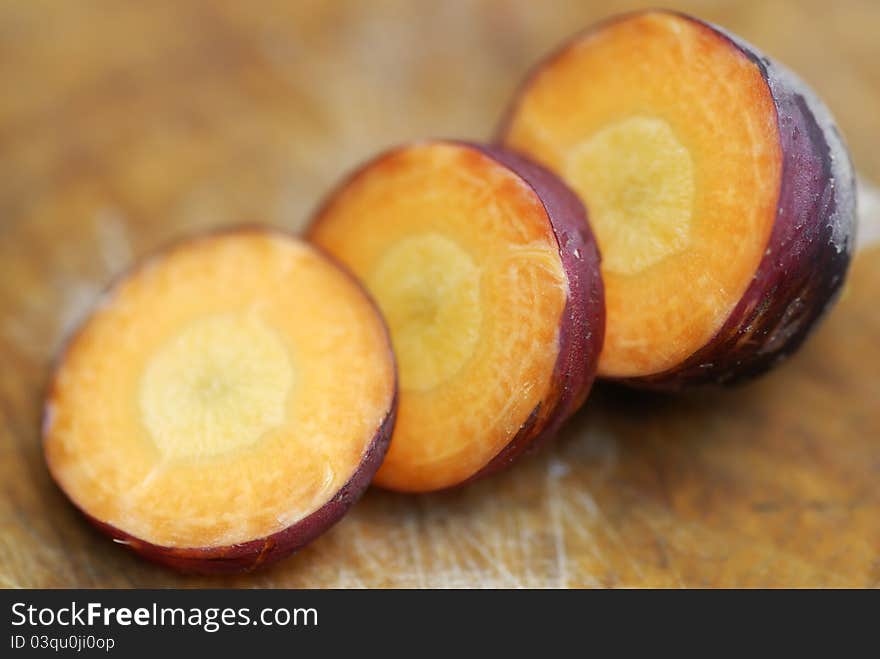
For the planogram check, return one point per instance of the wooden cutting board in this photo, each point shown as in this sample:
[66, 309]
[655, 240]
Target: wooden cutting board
[123, 125]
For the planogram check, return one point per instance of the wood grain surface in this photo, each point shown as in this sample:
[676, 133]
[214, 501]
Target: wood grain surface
[126, 124]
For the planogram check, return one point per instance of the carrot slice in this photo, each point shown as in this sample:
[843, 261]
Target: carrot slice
[486, 272]
[225, 394]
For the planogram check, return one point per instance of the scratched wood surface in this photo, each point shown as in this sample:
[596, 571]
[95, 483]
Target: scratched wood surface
[124, 124]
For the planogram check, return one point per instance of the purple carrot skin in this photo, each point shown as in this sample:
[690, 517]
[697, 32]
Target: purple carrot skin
[249, 556]
[808, 251]
[810, 247]
[347, 217]
[582, 330]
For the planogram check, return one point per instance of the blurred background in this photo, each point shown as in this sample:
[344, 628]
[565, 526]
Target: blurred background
[124, 124]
